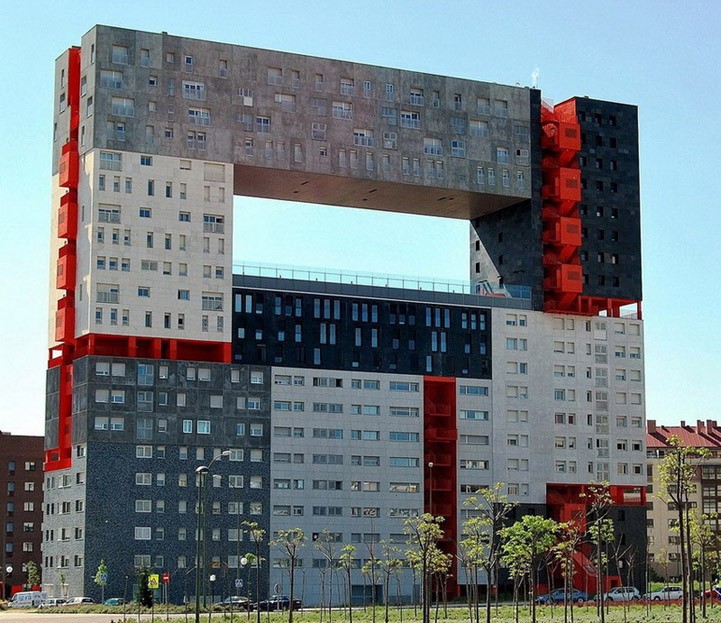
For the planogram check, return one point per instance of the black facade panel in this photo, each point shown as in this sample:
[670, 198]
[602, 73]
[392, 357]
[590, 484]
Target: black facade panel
[610, 203]
[369, 335]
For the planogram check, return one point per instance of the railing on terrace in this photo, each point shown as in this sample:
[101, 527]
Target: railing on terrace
[305, 273]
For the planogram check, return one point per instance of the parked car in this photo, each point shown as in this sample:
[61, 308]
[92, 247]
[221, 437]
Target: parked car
[667, 592]
[79, 601]
[560, 595]
[622, 593]
[52, 602]
[279, 602]
[713, 593]
[114, 601]
[27, 599]
[234, 603]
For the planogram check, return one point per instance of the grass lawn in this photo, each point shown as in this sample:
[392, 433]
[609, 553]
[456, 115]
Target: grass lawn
[655, 613]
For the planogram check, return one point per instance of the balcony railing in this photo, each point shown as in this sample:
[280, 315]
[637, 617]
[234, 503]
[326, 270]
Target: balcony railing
[303, 273]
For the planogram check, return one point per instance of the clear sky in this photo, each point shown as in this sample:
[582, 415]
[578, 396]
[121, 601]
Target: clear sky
[662, 56]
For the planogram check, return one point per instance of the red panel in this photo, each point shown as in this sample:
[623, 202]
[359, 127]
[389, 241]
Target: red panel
[66, 268]
[152, 348]
[562, 184]
[567, 278]
[440, 434]
[73, 93]
[562, 231]
[65, 320]
[61, 456]
[69, 163]
[68, 215]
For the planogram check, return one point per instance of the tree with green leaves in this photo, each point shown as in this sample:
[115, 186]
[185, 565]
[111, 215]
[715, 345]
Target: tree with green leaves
[143, 594]
[389, 563]
[325, 545]
[370, 569]
[600, 532]
[424, 533]
[290, 542]
[257, 536]
[346, 561]
[677, 472]
[571, 536]
[704, 554]
[33, 574]
[491, 508]
[524, 545]
[101, 578]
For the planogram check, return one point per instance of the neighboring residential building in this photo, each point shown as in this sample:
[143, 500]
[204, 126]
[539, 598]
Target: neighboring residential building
[21, 484]
[345, 404]
[663, 540]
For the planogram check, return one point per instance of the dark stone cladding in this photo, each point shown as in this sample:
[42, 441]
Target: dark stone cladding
[506, 246]
[630, 540]
[111, 489]
[610, 202]
[269, 313]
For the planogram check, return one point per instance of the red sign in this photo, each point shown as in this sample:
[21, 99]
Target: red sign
[166, 577]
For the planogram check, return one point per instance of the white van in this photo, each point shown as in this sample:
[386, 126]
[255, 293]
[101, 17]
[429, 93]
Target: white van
[27, 599]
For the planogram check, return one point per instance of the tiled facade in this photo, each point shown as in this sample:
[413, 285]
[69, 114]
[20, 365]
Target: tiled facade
[333, 399]
[21, 484]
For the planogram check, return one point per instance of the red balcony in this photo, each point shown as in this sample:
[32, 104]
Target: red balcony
[69, 163]
[66, 268]
[65, 320]
[562, 231]
[68, 215]
[562, 184]
[567, 278]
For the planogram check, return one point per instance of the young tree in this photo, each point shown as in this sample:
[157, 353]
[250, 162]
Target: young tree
[144, 596]
[101, 578]
[570, 538]
[346, 562]
[290, 542]
[33, 574]
[525, 543]
[423, 534]
[600, 532]
[389, 563]
[677, 472]
[370, 568]
[325, 544]
[704, 544]
[492, 508]
[257, 535]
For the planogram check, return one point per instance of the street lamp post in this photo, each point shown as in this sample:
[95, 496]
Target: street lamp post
[202, 471]
[430, 486]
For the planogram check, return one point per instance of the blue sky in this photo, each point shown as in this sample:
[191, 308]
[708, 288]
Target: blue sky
[662, 56]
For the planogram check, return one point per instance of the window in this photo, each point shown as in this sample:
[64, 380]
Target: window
[193, 90]
[458, 148]
[342, 110]
[410, 119]
[122, 106]
[432, 146]
[199, 116]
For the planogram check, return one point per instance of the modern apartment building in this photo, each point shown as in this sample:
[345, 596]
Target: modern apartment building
[21, 482]
[664, 548]
[327, 403]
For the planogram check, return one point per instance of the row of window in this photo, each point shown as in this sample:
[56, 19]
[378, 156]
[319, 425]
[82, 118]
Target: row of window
[328, 309]
[146, 373]
[182, 241]
[277, 76]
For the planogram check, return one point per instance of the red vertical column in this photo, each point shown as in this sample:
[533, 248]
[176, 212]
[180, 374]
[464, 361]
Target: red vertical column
[561, 140]
[440, 453]
[60, 456]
